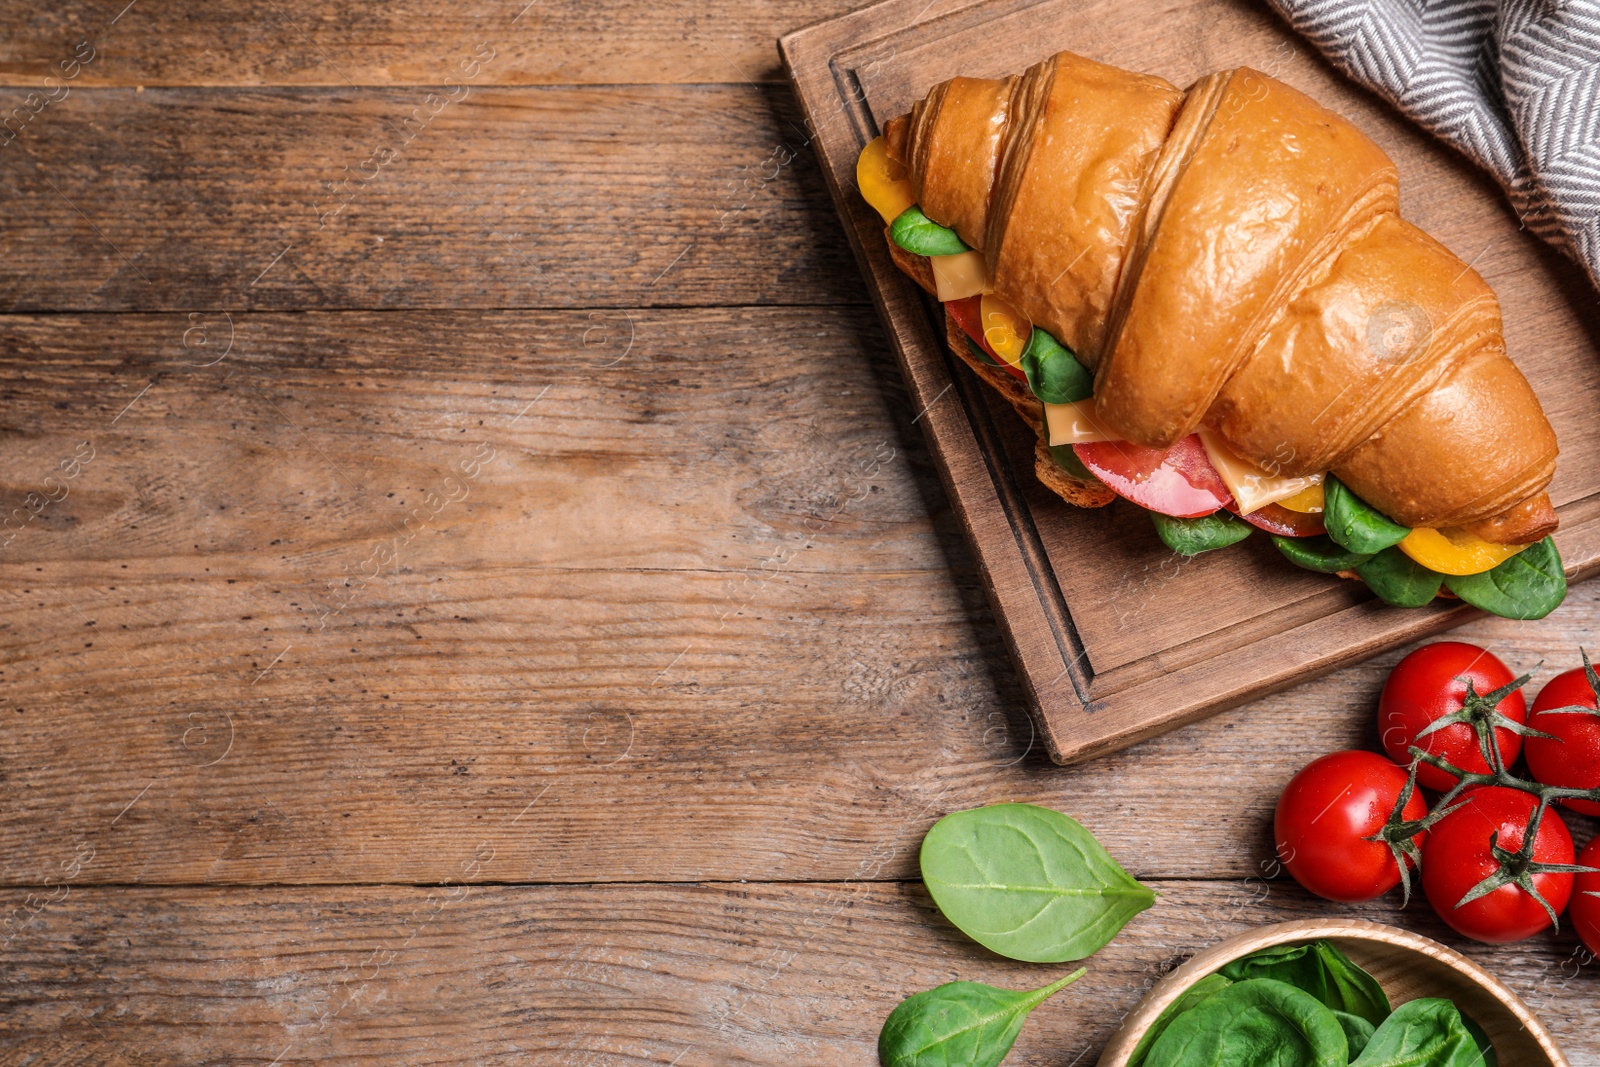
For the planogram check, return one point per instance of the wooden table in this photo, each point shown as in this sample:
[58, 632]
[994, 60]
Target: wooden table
[484, 598]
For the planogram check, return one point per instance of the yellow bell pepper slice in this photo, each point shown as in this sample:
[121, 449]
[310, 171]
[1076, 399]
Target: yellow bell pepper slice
[1005, 328]
[883, 181]
[1455, 551]
[1308, 501]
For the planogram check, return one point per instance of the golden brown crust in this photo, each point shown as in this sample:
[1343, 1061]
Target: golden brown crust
[957, 131]
[1233, 257]
[1275, 185]
[1384, 323]
[1532, 520]
[1069, 189]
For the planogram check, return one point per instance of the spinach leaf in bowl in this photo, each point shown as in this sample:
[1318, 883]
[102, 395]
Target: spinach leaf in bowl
[1197, 994]
[1422, 1033]
[1357, 1031]
[1318, 968]
[1260, 1022]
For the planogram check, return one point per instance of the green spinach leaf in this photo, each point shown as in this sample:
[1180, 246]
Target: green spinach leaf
[959, 1024]
[1028, 882]
[1195, 995]
[1054, 373]
[1422, 1033]
[1318, 968]
[982, 356]
[1259, 1022]
[1529, 585]
[1350, 988]
[1400, 580]
[1485, 1046]
[1068, 461]
[1355, 525]
[1190, 537]
[1357, 1031]
[918, 234]
[1321, 553]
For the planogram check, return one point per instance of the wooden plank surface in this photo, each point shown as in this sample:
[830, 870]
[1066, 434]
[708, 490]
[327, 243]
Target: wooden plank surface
[698, 975]
[343, 43]
[1103, 620]
[339, 198]
[728, 582]
[313, 755]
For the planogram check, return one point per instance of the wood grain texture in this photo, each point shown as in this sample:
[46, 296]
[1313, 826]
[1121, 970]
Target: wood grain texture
[714, 605]
[389, 198]
[298, 42]
[706, 613]
[694, 975]
[1117, 638]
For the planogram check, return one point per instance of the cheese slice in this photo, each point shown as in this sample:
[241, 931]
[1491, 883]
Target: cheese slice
[1252, 487]
[1076, 424]
[960, 276]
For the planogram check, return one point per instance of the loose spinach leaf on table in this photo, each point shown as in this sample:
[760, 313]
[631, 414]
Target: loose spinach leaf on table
[1321, 553]
[1353, 523]
[1054, 373]
[1190, 537]
[959, 1024]
[1259, 1022]
[1529, 585]
[1400, 580]
[1318, 968]
[920, 235]
[1028, 882]
[1422, 1033]
[1197, 994]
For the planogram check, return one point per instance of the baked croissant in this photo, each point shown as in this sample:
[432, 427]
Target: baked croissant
[1230, 266]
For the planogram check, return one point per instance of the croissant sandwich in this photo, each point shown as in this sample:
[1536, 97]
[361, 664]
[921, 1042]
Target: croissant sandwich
[1207, 303]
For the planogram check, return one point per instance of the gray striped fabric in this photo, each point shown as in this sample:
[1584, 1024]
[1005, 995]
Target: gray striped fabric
[1514, 84]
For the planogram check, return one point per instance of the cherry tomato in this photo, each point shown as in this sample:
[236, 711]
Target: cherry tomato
[1456, 858]
[1431, 683]
[968, 316]
[1586, 899]
[1325, 815]
[1572, 761]
[1178, 481]
[1275, 518]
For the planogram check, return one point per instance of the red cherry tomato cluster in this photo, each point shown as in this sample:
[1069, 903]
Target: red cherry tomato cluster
[1496, 859]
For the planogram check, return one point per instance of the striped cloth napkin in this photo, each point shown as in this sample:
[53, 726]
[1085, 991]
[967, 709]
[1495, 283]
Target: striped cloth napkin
[1514, 84]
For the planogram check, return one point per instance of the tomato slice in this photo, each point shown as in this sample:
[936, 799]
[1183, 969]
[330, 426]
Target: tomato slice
[969, 317]
[1179, 481]
[1277, 519]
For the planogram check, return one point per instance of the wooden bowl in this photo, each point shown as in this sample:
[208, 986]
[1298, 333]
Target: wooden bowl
[1406, 965]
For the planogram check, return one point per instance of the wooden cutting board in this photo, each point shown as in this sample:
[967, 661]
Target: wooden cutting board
[1117, 638]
